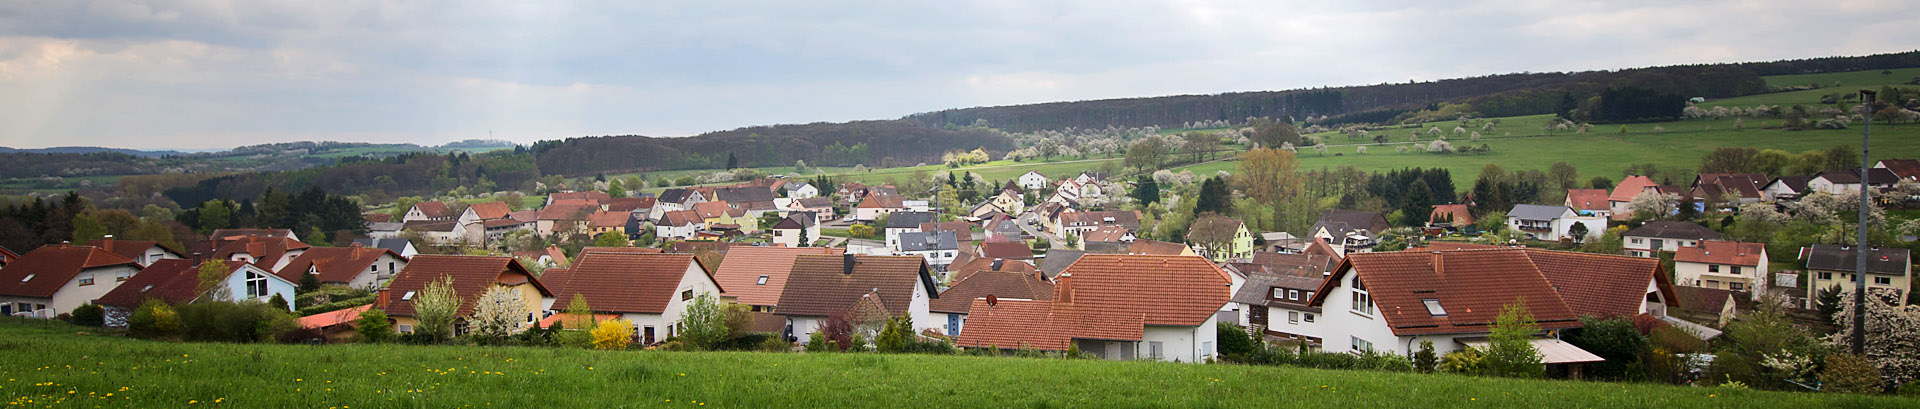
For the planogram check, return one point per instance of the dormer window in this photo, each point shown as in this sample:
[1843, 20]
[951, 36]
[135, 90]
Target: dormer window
[1433, 307]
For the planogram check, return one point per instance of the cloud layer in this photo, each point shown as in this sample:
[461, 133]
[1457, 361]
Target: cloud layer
[200, 74]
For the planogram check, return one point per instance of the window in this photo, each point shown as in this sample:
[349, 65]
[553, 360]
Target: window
[256, 285]
[405, 328]
[1434, 308]
[1883, 280]
[1636, 241]
[122, 276]
[407, 296]
[762, 281]
[1293, 317]
[1309, 318]
[1293, 294]
[29, 277]
[86, 279]
[1361, 344]
[1309, 295]
[1155, 350]
[1713, 283]
[1737, 286]
[374, 268]
[1736, 270]
[1362, 302]
[390, 268]
[1826, 275]
[686, 295]
[1713, 268]
[1279, 293]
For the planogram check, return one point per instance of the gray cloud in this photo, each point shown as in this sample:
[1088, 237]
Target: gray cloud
[210, 73]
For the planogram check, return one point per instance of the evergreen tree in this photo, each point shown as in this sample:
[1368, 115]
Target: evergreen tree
[732, 162]
[1418, 203]
[1213, 197]
[1145, 190]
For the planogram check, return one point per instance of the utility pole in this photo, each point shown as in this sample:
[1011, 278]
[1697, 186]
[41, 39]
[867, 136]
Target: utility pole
[1860, 246]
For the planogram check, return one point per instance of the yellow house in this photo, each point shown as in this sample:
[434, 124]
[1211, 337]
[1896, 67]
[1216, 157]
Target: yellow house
[607, 222]
[1221, 238]
[719, 215]
[471, 277]
[1889, 270]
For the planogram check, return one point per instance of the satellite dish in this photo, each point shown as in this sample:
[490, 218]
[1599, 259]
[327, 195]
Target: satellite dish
[991, 300]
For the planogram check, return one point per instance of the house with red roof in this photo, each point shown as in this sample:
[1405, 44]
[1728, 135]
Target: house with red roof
[270, 253]
[1121, 307]
[1620, 202]
[177, 281]
[651, 291]
[431, 211]
[473, 222]
[949, 312]
[7, 256]
[1722, 265]
[55, 279]
[1587, 202]
[1906, 169]
[755, 276]
[871, 206]
[353, 266]
[471, 276]
[1450, 215]
[143, 252]
[1390, 302]
[679, 224]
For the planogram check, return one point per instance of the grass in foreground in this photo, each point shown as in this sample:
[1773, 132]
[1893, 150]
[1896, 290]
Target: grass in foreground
[49, 365]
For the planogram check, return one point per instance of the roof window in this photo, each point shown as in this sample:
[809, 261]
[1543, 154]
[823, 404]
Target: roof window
[1433, 307]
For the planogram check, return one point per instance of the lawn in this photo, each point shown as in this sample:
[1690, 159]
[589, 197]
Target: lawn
[72, 370]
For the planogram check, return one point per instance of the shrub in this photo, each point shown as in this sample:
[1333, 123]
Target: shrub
[1849, 373]
[817, 342]
[234, 322]
[776, 343]
[1233, 341]
[751, 341]
[1511, 351]
[373, 326]
[90, 315]
[897, 337]
[1386, 362]
[154, 320]
[1615, 339]
[615, 334]
[278, 302]
[1329, 360]
[302, 335]
[1425, 361]
[337, 305]
[706, 322]
[1464, 361]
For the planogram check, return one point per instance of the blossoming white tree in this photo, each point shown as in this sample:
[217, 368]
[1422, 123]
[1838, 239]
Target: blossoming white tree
[499, 312]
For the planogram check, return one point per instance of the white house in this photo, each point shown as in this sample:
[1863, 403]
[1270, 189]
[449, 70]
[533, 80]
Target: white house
[876, 204]
[798, 229]
[1390, 302]
[1552, 223]
[904, 222]
[1723, 265]
[1664, 236]
[1276, 303]
[54, 279]
[1785, 188]
[1033, 181]
[354, 266]
[177, 281]
[938, 247]
[1835, 182]
[821, 286]
[1620, 202]
[649, 290]
[678, 224]
[1101, 307]
[801, 190]
[430, 211]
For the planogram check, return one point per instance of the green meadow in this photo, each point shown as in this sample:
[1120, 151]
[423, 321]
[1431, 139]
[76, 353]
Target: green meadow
[51, 364]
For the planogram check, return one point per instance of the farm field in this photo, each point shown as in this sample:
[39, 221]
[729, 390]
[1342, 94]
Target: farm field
[69, 370]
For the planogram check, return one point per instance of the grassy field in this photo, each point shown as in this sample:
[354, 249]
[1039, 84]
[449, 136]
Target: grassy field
[68, 370]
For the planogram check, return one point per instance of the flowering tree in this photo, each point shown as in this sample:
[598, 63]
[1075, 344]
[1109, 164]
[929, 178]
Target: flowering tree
[498, 312]
[1893, 334]
[434, 307]
[1652, 205]
[613, 335]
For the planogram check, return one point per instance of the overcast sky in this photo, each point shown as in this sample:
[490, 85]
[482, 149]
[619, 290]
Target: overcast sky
[197, 74]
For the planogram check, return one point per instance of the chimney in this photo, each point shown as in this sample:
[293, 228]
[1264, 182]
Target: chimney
[846, 263]
[1437, 257]
[381, 300]
[1064, 281]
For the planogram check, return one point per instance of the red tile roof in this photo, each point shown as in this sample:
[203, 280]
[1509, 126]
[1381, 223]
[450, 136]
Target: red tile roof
[1296, 264]
[1629, 187]
[1156, 248]
[882, 201]
[491, 210]
[1604, 285]
[43, 271]
[1461, 215]
[266, 251]
[740, 271]
[1021, 285]
[1905, 168]
[629, 204]
[710, 210]
[960, 270]
[819, 285]
[624, 282]
[608, 219]
[1586, 199]
[1104, 296]
[334, 318]
[472, 276]
[622, 250]
[591, 195]
[564, 211]
[1473, 285]
[132, 249]
[681, 218]
[335, 264]
[1722, 252]
[170, 280]
[378, 217]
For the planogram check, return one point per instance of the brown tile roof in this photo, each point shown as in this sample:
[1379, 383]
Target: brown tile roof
[960, 271]
[624, 283]
[1876, 176]
[1722, 252]
[1673, 230]
[132, 249]
[1471, 287]
[563, 211]
[622, 250]
[1129, 219]
[1461, 215]
[431, 225]
[1010, 250]
[1321, 247]
[335, 264]
[818, 285]
[1214, 227]
[591, 195]
[1108, 233]
[1104, 296]
[1456, 245]
[1586, 199]
[472, 276]
[608, 219]
[693, 246]
[503, 222]
[1629, 187]
[170, 280]
[816, 202]
[333, 318]
[1156, 248]
[552, 252]
[491, 210]
[741, 270]
[266, 251]
[1710, 300]
[378, 217]
[435, 210]
[1298, 265]
[1905, 168]
[1020, 285]
[1604, 285]
[681, 218]
[882, 201]
[709, 210]
[629, 204]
